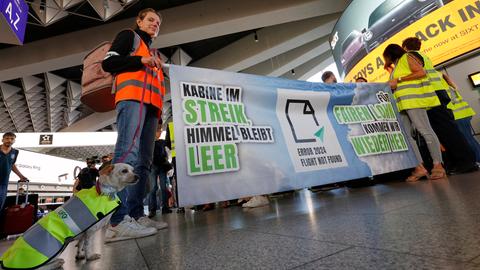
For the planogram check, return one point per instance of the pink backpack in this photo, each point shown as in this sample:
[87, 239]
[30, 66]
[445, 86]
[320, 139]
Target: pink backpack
[97, 84]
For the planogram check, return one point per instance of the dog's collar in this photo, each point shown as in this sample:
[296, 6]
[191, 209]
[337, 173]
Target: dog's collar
[105, 190]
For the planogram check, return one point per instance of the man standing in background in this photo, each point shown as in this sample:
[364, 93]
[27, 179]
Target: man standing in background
[8, 157]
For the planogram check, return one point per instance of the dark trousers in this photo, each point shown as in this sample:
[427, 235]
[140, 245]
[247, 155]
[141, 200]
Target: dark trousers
[458, 153]
[465, 127]
[155, 173]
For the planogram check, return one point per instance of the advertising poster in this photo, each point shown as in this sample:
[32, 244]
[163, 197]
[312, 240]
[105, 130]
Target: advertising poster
[240, 135]
[447, 28]
[40, 168]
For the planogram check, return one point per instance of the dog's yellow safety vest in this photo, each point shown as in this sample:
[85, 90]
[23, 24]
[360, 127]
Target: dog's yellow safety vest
[52, 233]
[412, 94]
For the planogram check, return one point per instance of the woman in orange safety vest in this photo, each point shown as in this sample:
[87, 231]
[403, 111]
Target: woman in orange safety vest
[139, 90]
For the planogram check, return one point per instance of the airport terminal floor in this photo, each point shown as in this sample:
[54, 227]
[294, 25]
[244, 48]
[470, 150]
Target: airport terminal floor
[392, 225]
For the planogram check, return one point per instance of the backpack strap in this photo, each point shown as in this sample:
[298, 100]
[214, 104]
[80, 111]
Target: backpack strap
[136, 45]
[136, 39]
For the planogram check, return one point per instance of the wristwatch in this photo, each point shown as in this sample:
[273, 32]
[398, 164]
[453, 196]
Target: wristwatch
[399, 79]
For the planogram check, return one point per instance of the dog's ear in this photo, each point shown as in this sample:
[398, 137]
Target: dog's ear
[107, 170]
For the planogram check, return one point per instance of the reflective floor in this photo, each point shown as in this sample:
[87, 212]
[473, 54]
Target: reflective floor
[392, 225]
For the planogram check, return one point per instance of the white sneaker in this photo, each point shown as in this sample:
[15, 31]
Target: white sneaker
[127, 229]
[150, 223]
[256, 201]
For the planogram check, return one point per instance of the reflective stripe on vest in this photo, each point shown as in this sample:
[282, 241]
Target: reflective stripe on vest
[52, 233]
[129, 85]
[138, 84]
[72, 225]
[42, 241]
[412, 94]
[409, 84]
[79, 214]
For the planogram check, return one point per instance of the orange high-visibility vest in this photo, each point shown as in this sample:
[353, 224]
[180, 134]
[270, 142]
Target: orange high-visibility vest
[129, 85]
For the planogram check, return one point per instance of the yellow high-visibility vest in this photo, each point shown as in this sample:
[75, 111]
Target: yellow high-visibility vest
[436, 79]
[52, 233]
[172, 139]
[412, 94]
[130, 85]
[460, 108]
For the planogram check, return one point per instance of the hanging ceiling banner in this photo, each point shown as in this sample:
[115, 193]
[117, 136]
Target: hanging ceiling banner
[13, 21]
[238, 135]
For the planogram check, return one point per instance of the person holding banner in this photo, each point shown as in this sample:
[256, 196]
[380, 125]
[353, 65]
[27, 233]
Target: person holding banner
[361, 80]
[414, 95]
[459, 157]
[138, 106]
[329, 77]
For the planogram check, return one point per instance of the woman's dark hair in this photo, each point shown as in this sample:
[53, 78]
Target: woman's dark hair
[393, 52]
[361, 79]
[412, 44]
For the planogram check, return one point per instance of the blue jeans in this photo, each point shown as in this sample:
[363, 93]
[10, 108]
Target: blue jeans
[140, 156]
[152, 196]
[3, 195]
[466, 128]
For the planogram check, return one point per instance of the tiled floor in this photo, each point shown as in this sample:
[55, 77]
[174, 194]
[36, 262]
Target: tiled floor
[393, 225]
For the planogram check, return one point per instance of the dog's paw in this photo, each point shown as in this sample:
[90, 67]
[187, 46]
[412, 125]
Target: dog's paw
[93, 257]
[79, 257]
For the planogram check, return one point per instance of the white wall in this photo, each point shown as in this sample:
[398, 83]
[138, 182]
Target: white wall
[459, 73]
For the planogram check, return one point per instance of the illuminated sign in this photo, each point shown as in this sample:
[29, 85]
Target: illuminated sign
[46, 139]
[475, 79]
[447, 28]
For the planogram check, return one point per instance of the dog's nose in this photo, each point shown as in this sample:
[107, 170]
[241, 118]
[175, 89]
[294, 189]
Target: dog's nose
[136, 177]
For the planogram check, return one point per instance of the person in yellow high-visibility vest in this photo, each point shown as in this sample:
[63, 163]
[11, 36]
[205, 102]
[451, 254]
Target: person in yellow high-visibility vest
[463, 114]
[170, 142]
[414, 95]
[171, 139]
[459, 157]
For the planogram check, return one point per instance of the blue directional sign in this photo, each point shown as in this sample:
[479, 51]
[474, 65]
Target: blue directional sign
[13, 21]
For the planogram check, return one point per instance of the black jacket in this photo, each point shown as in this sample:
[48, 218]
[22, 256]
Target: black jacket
[160, 155]
[123, 45]
[88, 177]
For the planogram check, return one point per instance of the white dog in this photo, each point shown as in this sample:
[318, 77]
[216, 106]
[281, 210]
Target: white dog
[112, 179]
